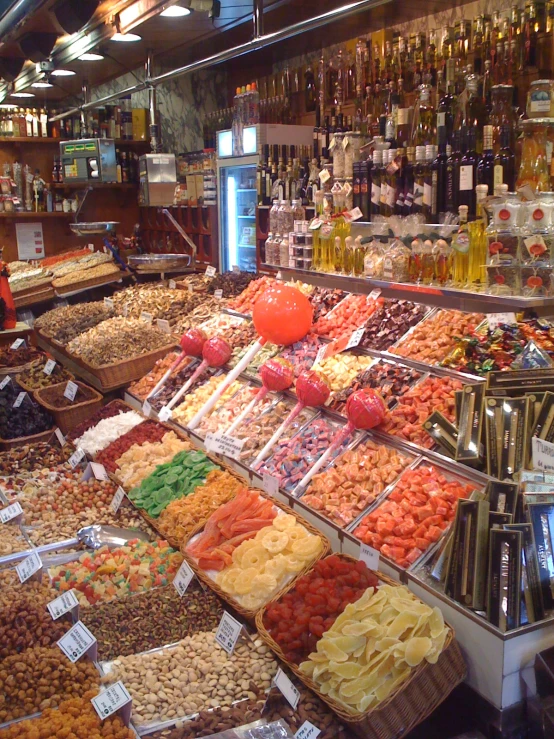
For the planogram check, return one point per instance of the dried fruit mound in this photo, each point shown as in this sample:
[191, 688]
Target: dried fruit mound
[299, 618]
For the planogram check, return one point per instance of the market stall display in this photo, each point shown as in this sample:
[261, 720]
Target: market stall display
[38, 375]
[21, 417]
[65, 323]
[67, 412]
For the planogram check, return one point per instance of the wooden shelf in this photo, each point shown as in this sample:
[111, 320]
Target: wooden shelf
[50, 140]
[94, 185]
[35, 216]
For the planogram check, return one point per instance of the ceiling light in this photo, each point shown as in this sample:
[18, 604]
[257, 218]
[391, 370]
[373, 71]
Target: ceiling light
[22, 95]
[91, 56]
[7, 106]
[63, 73]
[126, 37]
[42, 84]
[175, 11]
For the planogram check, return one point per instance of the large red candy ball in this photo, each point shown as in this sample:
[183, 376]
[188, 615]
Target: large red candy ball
[312, 389]
[216, 351]
[365, 409]
[277, 374]
[282, 315]
[192, 342]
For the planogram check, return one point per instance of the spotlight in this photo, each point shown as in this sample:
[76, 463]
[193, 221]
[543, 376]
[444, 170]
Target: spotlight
[22, 95]
[91, 56]
[175, 11]
[126, 37]
[42, 84]
[63, 73]
[72, 15]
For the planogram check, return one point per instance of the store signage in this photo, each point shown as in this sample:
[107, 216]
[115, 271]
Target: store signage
[77, 642]
[228, 632]
[63, 604]
[71, 390]
[220, 443]
[183, 578]
[28, 567]
[113, 699]
[543, 454]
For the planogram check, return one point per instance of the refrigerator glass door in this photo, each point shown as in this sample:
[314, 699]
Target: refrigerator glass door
[237, 184]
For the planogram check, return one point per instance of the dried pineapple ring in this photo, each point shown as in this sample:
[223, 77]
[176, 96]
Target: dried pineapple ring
[294, 563]
[297, 532]
[255, 557]
[244, 582]
[226, 579]
[277, 567]
[306, 547]
[241, 550]
[274, 541]
[252, 601]
[284, 522]
[264, 584]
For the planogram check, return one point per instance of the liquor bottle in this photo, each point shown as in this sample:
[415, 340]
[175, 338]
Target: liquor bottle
[419, 179]
[468, 174]
[125, 171]
[384, 184]
[445, 112]
[260, 181]
[409, 176]
[365, 188]
[478, 37]
[392, 182]
[427, 208]
[505, 164]
[375, 201]
[460, 244]
[439, 178]
[425, 132]
[453, 175]
[476, 114]
[315, 134]
[401, 160]
[119, 172]
[485, 167]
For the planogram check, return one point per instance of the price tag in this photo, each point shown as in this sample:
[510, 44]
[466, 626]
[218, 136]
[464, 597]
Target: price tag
[374, 294]
[370, 556]
[7, 379]
[324, 175]
[320, 356]
[355, 214]
[146, 317]
[115, 698]
[90, 247]
[49, 367]
[279, 276]
[347, 188]
[183, 578]
[12, 511]
[228, 632]
[286, 686]
[76, 457]
[117, 499]
[96, 470]
[28, 567]
[223, 444]
[270, 484]
[20, 398]
[60, 437]
[146, 409]
[3, 498]
[70, 391]
[17, 344]
[218, 294]
[345, 142]
[307, 731]
[542, 451]
[163, 325]
[315, 224]
[172, 284]
[165, 414]
[210, 271]
[235, 268]
[356, 337]
[495, 319]
[108, 302]
[63, 604]
[332, 144]
[78, 641]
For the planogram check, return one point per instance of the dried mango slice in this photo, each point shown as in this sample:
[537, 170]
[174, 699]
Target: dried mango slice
[358, 629]
[404, 620]
[436, 623]
[417, 648]
[329, 648]
[348, 670]
[284, 522]
[386, 643]
[307, 667]
[349, 644]
[387, 615]
[363, 704]
[274, 541]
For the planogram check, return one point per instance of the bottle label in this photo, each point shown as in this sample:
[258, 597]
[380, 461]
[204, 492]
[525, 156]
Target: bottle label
[539, 101]
[375, 194]
[441, 120]
[434, 185]
[427, 194]
[466, 177]
[498, 176]
[391, 196]
[384, 191]
[403, 116]
[418, 194]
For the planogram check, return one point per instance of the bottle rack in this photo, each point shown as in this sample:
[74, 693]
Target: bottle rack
[200, 223]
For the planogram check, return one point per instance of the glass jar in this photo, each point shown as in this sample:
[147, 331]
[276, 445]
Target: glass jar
[273, 222]
[533, 170]
[298, 211]
[502, 113]
[285, 218]
[270, 250]
[338, 156]
[540, 99]
[283, 241]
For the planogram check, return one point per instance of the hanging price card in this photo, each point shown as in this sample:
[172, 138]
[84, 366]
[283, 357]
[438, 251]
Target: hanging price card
[210, 271]
[370, 556]
[228, 632]
[17, 344]
[183, 578]
[117, 499]
[286, 686]
[12, 511]
[78, 641]
[63, 604]
[28, 567]
[71, 390]
[115, 698]
[19, 400]
[49, 367]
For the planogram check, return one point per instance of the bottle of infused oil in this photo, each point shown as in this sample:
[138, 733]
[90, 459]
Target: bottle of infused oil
[477, 277]
[359, 256]
[327, 245]
[317, 260]
[460, 244]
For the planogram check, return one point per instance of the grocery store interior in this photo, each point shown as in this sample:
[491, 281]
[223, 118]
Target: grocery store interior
[276, 369]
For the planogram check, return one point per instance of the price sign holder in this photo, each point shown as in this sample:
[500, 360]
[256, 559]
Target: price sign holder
[172, 285]
[146, 317]
[165, 414]
[307, 731]
[114, 699]
[71, 390]
[49, 367]
[96, 470]
[183, 578]
[65, 603]
[163, 325]
[210, 271]
[146, 409]
[270, 484]
[17, 344]
[13, 512]
[78, 641]
[7, 379]
[220, 443]
[76, 457]
[218, 294]
[287, 688]
[108, 302]
[117, 499]
[370, 556]
[60, 437]
[229, 632]
[29, 567]
[19, 400]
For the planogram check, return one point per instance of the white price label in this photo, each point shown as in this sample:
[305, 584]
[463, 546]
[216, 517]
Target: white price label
[374, 294]
[218, 294]
[90, 247]
[355, 214]
[20, 398]
[320, 356]
[279, 276]
[7, 379]
[64, 603]
[345, 142]
[28, 567]
[3, 498]
[12, 511]
[172, 284]
[71, 390]
[76, 457]
[286, 686]
[17, 344]
[163, 325]
[108, 302]
[235, 268]
[307, 731]
[370, 556]
[228, 632]
[270, 484]
[60, 437]
[146, 317]
[165, 414]
[117, 499]
[78, 641]
[315, 224]
[146, 409]
[210, 271]
[542, 451]
[356, 337]
[49, 367]
[495, 319]
[183, 578]
[96, 470]
[115, 698]
[223, 444]
[324, 175]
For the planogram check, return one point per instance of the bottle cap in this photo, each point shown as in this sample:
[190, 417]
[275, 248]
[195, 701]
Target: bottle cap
[377, 156]
[429, 151]
[420, 153]
[238, 91]
[481, 191]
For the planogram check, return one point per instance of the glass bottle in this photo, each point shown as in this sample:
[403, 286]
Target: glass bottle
[426, 128]
[468, 174]
[460, 244]
[419, 179]
[505, 163]
[533, 170]
[317, 260]
[273, 219]
[409, 175]
[453, 174]
[445, 111]
[427, 203]
[501, 112]
[485, 167]
[475, 113]
[375, 202]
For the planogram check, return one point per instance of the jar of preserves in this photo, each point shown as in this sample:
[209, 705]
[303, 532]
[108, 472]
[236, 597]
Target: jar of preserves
[540, 99]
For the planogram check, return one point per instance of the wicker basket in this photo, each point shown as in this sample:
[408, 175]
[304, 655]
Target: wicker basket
[408, 705]
[125, 407]
[69, 417]
[250, 615]
[6, 444]
[39, 296]
[32, 390]
[114, 276]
